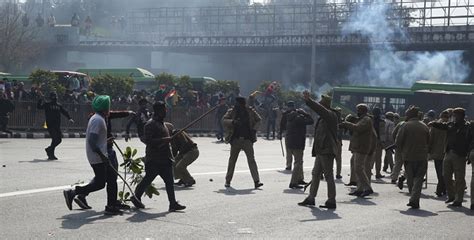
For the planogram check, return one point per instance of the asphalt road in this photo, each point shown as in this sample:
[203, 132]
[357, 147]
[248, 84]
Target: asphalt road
[32, 205]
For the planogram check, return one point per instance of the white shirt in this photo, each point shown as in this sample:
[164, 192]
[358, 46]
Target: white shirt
[97, 126]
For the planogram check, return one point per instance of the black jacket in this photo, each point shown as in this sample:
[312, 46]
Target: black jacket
[460, 137]
[114, 115]
[6, 106]
[294, 122]
[157, 150]
[53, 111]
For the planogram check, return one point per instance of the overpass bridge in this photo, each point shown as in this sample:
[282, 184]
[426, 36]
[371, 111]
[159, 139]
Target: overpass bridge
[417, 26]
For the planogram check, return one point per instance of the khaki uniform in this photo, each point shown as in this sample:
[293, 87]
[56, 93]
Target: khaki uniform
[362, 145]
[398, 157]
[412, 142]
[436, 153]
[238, 144]
[389, 140]
[379, 145]
[459, 142]
[324, 149]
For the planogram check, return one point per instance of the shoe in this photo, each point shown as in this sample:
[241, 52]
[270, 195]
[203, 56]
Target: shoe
[370, 191]
[400, 182]
[338, 176]
[137, 203]
[53, 158]
[351, 184]
[82, 202]
[328, 205]
[112, 210]
[456, 204]
[440, 194]
[227, 185]
[379, 176]
[449, 200]
[69, 197]
[355, 193]
[179, 183]
[306, 202]
[50, 154]
[176, 207]
[365, 193]
[302, 182]
[288, 168]
[122, 206]
[295, 186]
[413, 205]
[258, 184]
[472, 207]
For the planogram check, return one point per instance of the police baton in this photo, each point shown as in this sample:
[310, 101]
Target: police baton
[281, 144]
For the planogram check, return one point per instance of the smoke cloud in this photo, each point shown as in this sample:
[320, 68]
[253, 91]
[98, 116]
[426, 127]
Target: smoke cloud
[398, 69]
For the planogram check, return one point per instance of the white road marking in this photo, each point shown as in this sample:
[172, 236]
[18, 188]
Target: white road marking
[50, 189]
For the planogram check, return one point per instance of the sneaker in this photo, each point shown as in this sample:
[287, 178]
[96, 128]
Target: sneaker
[137, 203]
[53, 158]
[176, 207]
[306, 202]
[190, 183]
[82, 202]
[112, 210]
[258, 184]
[179, 183]
[69, 197]
[365, 193]
[449, 200]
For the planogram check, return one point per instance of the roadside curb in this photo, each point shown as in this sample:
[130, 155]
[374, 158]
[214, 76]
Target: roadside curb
[83, 135]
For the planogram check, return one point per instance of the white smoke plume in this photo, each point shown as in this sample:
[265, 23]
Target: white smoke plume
[398, 69]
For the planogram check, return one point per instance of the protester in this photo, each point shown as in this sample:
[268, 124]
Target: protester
[53, 111]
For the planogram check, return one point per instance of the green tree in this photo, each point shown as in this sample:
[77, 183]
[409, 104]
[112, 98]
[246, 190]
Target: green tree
[47, 81]
[167, 79]
[112, 86]
[184, 82]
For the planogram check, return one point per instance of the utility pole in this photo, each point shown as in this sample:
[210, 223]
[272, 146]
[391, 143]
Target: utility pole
[313, 50]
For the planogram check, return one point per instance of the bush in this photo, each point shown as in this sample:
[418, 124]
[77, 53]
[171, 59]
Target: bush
[167, 79]
[224, 86]
[113, 86]
[47, 81]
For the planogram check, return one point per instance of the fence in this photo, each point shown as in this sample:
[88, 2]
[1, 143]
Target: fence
[27, 117]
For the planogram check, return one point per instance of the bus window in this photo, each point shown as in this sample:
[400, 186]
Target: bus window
[397, 104]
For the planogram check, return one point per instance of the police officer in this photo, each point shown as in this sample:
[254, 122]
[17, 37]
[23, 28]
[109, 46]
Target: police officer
[290, 107]
[362, 145]
[139, 119]
[412, 141]
[460, 137]
[293, 124]
[185, 152]
[437, 152]
[158, 158]
[241, 124]
[379, 126]
[53, 111]
[324, 149]
[389, 140]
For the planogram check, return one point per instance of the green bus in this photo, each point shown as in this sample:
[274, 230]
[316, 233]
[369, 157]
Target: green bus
[425, 94]
[143, 78]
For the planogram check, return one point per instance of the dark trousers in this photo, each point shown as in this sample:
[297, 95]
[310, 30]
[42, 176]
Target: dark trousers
[104, 174]
[220, 130]
[271, 128]
[56, 137]
[151, 171]
[3, 124]
[441, 187]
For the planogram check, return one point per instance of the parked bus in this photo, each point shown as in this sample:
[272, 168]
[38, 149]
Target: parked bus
[425, 94]
[143, 78]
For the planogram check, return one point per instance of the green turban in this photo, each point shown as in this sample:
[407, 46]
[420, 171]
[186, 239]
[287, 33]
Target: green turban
[101, 103]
